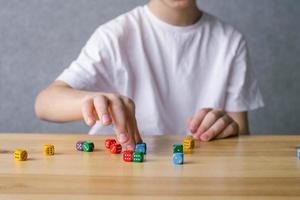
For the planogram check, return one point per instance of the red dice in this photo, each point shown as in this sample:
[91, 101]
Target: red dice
[115, 148]
[127, 155]
[109, 142]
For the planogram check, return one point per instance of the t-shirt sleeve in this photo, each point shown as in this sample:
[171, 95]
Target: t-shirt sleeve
[243, 93]
[90, 70]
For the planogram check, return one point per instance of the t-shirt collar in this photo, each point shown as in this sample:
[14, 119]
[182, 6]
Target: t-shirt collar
[171, 27]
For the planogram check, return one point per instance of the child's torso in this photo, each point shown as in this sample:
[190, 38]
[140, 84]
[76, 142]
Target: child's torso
[170, 72]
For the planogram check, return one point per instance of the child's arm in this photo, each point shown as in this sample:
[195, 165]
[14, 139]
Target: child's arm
[208, 124]
[61, 103]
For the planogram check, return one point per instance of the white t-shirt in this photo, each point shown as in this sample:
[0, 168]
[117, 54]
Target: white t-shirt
[170, 72]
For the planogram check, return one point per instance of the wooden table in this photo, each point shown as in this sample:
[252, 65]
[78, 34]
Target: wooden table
[249, 167]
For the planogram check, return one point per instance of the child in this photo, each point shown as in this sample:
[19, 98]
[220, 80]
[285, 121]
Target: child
[158, 66]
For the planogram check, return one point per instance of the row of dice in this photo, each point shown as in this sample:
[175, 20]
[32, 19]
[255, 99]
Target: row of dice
[21, 154]
[133, 156]
[86, 146]
[137, 155]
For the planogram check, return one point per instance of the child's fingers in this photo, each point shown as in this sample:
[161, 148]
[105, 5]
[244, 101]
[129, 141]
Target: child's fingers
[216, 128]
[132, 120]
[209, 119]
[130, 144]
[117, 109]
[231, 130]
[119, 119]
[88, 112]
[138, 138]
[196, 120]
[136, 133]
[101, 106]
[131, 123]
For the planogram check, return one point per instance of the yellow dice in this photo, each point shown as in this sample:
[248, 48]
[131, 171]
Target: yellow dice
[187, 151]
[188, 143]
[48, 149]
[20, 155]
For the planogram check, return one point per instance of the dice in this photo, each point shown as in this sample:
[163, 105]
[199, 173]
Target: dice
[115, 148]
[137, 157]
[188, 143]
[127, 155]
[177, 148]
[79, 145]
[187, 151]
[91, 143]
[141, 147]
[48, 149]
[178, 158]
[298, 152]
[88, 146]
[20, 155]
[178, 154]
[109, 142]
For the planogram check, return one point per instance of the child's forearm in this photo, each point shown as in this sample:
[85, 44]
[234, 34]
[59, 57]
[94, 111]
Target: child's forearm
[60, 103]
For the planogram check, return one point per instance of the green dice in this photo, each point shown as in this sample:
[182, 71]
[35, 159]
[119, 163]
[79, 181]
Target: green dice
[137, 157]
[177, 148]
[88, 146]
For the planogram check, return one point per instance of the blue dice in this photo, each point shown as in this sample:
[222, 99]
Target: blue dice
[178, 158]
[141, 147]
[298, 152]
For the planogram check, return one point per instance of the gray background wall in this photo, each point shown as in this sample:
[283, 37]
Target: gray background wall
[39, 38]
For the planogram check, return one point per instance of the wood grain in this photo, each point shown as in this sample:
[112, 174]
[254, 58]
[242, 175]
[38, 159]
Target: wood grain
[248, 167]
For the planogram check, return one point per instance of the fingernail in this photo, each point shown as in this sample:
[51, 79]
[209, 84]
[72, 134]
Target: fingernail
[130, 147]
[122, 138]
[105, 118]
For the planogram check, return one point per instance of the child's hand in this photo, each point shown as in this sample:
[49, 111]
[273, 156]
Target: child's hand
[208, 124]
[116, 109]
